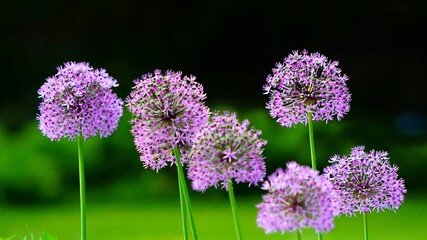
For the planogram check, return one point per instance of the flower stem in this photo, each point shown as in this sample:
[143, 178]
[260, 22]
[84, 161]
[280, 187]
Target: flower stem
[184, 195]
[234, 209]
[298, 235]
[183, 208]
[311, 136]
[365, 223]
[312, 152]
[82, 189]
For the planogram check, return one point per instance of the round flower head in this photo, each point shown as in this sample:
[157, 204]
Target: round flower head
[169, 109]
[79, 101]
[226, 149]
[365, 181]
[297, 198]
[307, 83]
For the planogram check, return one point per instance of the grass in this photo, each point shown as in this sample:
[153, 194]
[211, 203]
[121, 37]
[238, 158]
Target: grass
[161, 221]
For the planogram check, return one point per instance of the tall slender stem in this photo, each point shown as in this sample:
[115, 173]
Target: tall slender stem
[365, 223]
[184, 192]
[311, 136]
[312, 152]
[188, 207]
[234, 209]
[82, 189]
[298, 235]
[183, 208]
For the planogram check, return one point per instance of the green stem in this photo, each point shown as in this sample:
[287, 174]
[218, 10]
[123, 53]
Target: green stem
[312, 151]
[298, 235]
[311, 136]
[82, 189]
[365, 222]
[183, 208]
[234, 209]
[184, 192]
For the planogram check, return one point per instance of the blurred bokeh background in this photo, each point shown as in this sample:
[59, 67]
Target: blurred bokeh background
[230, 46]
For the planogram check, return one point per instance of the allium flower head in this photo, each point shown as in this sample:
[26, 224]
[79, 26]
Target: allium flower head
[365, 181]
[168, 111]
[307, 83]
[224, 150]
[79, 101]
[297, 197]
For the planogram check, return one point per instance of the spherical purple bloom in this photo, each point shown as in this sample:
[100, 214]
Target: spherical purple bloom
[365, 181]
[79, 101]
[307, 83]
[297, 197]
[224, 150]
[168, 110]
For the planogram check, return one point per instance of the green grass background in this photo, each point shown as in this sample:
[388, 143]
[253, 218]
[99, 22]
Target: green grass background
[161, 221]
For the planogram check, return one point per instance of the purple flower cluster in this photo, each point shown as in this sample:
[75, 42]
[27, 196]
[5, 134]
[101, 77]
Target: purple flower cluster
[297, 197]
[78, 101]
[307, 83]
[226, 149]
[365, 181]
[168, 110]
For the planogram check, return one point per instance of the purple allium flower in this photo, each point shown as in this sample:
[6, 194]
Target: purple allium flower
[365, 181]
[224, 150]
[297, 197]
[168, 111]
[307, 83]
[79, 101]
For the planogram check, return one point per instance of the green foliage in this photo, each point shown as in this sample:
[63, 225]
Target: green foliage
[43, 236]
[8, 238]
[338, 137]
[35, 169]
[32, 236]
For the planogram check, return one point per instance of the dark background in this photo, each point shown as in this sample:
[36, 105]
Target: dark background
[230, 46]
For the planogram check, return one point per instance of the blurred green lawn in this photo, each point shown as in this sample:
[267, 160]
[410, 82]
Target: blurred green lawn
[161, 220]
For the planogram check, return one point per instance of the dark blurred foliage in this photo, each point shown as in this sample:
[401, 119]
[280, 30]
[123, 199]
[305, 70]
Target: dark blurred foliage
[231, 47]
[34, 169]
